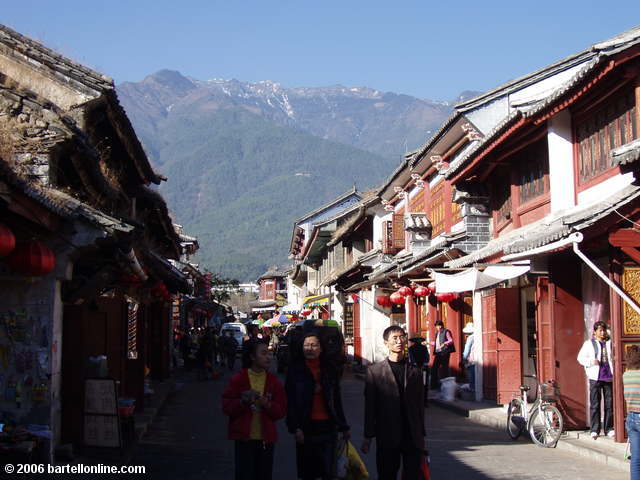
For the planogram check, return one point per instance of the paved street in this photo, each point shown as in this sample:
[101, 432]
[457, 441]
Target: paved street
[188, 440]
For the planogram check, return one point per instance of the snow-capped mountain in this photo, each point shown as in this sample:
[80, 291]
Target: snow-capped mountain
[385, 123]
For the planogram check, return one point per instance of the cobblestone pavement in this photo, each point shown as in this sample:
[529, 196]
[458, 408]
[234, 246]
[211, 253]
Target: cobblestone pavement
[188, 440]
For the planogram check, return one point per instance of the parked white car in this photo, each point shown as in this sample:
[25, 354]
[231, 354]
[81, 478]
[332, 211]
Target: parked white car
[238, 330]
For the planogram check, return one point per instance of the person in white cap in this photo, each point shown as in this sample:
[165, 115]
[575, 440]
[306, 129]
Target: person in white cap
[468, 355]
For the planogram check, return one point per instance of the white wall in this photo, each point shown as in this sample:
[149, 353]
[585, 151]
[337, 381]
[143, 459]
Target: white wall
[561, 172]
[599, 192]
[373, 321]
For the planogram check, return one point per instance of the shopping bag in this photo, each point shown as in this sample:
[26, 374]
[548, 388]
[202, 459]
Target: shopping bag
[357, 469]
[342, 461]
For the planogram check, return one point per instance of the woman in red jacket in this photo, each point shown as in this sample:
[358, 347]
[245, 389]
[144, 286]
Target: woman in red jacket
[253, 400]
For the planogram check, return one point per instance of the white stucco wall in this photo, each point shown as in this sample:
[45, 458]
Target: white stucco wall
[561, 167]
[373, 321]
[599, 192]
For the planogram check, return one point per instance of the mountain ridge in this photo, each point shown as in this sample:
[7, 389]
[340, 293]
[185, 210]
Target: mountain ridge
[245, 159]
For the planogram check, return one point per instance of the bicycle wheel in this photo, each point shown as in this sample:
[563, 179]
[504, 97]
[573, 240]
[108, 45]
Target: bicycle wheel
[545, 426]
[515, 418]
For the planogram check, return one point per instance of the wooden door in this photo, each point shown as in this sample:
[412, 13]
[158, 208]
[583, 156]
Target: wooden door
[568, 328]
[489, 346]
[508, 343]
[545, 361]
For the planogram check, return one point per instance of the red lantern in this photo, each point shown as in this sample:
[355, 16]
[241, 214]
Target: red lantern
[446, 297]
[7, 241]
[397, 298]
[422, 291]
[32, 258]
[383, 301]
[405, 291]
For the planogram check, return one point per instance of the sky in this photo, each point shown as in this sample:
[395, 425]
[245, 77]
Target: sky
[428, 49]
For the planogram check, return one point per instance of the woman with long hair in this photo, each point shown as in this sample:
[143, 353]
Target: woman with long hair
[254, 400]
[314, 410]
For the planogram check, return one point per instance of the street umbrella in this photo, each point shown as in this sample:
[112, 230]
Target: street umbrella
[326, 323]
[282, 318]
[272, 322]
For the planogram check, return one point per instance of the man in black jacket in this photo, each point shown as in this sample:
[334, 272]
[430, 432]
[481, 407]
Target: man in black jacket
[394, 410]
[314, 410]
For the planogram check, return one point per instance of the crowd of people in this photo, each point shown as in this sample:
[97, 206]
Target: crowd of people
[395, 394]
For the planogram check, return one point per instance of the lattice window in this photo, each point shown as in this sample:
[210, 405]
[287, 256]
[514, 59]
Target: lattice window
[456, 214]
[417, 203]
[436, 214]
[533, 170]
[503, 200]
[398, 231]
[612, 125]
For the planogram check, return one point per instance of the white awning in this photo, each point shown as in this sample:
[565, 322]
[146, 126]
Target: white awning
[263, 309]
[474, 279]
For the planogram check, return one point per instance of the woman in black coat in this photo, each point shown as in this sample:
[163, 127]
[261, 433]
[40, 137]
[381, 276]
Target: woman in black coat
[314, 411]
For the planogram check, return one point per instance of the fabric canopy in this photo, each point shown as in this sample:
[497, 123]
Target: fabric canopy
[315, 301]
[474, 279]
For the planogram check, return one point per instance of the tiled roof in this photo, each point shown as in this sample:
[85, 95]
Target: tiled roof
[626, 154]
[592, 59]
[550, 228]
[53, 60]
[60, 202]
[416, 222]
[459, 162]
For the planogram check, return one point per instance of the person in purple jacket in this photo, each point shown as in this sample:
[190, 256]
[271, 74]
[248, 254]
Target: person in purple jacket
[442, 350]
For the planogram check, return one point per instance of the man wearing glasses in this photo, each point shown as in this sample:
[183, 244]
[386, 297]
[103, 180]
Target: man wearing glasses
[394, 410]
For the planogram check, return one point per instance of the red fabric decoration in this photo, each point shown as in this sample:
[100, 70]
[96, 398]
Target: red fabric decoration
[422, 291]
[306, 312]
[405, 291]
[32, 258]
[446, 297]
[7, 241]
[397, 298]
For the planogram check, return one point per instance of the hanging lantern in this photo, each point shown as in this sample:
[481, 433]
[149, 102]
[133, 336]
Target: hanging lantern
[32, 258]
[383, 301]
[422, 291]
[7, 241]
[397, 298]
[446, 297]
[406, 291]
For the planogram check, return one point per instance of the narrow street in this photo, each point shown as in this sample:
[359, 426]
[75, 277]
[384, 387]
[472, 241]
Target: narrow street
[188, 441]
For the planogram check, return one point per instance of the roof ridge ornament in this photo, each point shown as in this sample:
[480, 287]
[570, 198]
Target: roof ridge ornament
[471, 132]
[418, 180]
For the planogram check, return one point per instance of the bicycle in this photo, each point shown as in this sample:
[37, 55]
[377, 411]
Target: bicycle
[543, 420]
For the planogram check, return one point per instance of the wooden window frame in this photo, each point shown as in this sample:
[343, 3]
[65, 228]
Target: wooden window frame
[437, 217]
[601, 137]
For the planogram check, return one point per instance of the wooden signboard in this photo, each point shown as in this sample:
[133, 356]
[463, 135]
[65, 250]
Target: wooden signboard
[101, 422]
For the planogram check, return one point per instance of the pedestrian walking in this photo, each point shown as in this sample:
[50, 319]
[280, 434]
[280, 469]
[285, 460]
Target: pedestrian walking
[314, 410]
[631, 387]
[442, 350]
[419, 358]
[394, 411]
[254, 399]
[469, 355]
[595, 357]
[229, 349]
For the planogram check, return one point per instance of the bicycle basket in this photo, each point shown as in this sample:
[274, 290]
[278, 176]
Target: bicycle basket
[550, 392]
